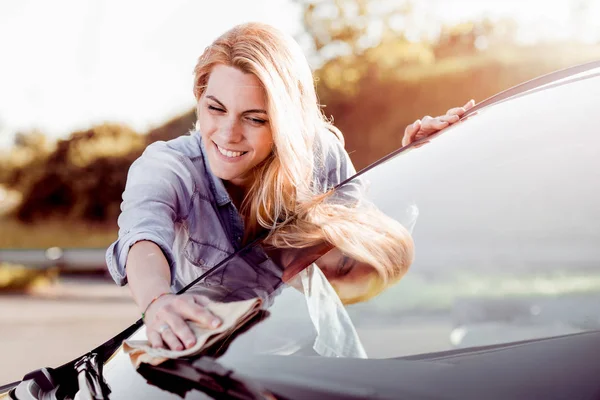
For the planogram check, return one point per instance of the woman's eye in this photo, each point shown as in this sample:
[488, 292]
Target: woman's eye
[344, 266]
[213, 108]
[344, 271]
[257, 121]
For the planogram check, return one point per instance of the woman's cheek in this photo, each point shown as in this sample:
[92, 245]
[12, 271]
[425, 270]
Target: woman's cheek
[206, 121]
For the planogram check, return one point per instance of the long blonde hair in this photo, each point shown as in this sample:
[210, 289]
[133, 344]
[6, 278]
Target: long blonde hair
[284, 199]
[286, 178]
[358, 229]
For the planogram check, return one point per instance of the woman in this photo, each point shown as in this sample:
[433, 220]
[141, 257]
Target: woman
[261, 155]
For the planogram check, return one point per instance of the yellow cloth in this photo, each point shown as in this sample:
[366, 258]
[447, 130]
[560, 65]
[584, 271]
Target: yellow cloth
[233, 315]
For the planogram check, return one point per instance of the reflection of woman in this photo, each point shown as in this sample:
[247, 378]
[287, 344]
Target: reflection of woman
[370, 250]
[261, 152]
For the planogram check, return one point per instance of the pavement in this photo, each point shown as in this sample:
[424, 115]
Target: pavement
[58, 323]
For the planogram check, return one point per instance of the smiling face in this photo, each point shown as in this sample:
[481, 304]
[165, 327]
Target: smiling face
[234, 123]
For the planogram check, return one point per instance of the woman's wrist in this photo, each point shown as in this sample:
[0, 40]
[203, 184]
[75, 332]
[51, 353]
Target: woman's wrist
[148, 274]
[154, 299]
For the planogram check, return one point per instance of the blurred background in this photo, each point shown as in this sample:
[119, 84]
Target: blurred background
[86, 85]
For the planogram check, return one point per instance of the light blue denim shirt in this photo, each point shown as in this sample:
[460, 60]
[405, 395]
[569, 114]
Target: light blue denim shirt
[173, 199]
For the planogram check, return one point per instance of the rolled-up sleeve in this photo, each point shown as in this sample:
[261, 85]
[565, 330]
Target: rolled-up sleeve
[157, 194]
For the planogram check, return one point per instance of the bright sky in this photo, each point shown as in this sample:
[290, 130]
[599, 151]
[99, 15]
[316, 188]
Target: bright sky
[68, 64]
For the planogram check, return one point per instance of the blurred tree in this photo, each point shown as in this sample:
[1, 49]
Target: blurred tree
[360, 41]
[82, 178]
[34, 140]
[27, 146]
[349, 27]
[173, 128]
[467, 38]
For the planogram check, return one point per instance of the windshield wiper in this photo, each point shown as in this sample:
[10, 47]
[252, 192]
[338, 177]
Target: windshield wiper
[204, 374]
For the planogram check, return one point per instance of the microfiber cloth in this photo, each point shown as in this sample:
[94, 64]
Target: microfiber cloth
[234, 315]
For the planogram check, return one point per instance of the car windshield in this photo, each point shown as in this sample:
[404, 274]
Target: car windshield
[504, 215]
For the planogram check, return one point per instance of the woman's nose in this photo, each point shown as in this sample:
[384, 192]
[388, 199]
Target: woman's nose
[232, 132]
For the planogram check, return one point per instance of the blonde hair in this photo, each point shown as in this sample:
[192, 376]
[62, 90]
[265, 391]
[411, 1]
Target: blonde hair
[286, 178]
[283, 198]
[359, 230]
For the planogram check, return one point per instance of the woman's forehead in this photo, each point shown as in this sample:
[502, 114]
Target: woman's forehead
[231, 84]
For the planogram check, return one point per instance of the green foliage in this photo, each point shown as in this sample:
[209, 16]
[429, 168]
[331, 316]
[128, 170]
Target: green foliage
[80, 178]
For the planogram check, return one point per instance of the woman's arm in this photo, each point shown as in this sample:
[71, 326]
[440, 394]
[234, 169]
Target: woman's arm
[149, 276]
[148, 273]
[157, 194]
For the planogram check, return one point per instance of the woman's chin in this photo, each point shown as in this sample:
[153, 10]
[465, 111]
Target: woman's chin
[227, 171]
[235, 177]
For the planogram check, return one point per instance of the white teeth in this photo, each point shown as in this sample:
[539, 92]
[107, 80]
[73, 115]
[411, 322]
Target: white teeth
[230, 154]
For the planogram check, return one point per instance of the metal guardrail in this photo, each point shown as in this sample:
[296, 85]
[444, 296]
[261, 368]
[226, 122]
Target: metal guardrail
[66, 259]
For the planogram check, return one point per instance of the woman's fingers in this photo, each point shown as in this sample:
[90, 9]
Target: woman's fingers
[154, 338]
[172, 328]
[428, 125]
[182, 331]
[458, 111]
[201, 299]
[171, 339]
[169, 324]
[410, 132]
[461, 110]
[431, 125]
[186, 308]
[193, 311]
[452, 118]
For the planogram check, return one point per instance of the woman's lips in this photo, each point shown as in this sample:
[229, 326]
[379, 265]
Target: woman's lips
[229, 155]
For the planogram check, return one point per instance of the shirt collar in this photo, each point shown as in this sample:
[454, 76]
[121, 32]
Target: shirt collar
[216, 184]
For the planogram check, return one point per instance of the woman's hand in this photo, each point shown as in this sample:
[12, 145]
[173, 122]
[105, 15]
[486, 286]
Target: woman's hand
[428, 126]
[166, 317]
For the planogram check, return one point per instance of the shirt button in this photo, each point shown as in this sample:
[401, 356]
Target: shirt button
[201, 262]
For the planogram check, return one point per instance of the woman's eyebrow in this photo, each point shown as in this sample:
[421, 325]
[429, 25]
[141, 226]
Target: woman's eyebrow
[255, 111]
[252, 111]
[213, 98]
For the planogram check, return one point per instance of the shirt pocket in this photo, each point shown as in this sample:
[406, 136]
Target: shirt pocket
[205, 256]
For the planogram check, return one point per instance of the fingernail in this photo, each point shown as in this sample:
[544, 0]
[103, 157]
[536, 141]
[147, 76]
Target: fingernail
[189, 343]
[215, 323]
